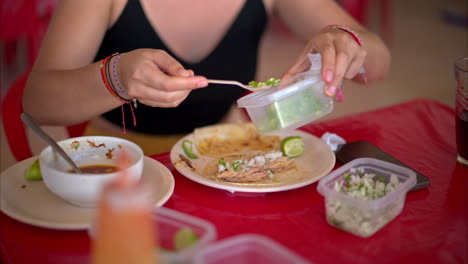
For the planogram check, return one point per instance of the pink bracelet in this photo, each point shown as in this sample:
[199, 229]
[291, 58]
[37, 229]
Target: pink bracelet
[349, 31]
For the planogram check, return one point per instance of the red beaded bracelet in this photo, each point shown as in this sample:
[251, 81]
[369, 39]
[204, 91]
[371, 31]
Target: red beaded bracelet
[106, 78]
[349, 31]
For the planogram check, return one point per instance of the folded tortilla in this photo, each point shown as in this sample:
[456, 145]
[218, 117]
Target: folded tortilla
[232, 139]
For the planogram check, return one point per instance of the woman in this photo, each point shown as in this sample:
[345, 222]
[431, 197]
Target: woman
[168, 50]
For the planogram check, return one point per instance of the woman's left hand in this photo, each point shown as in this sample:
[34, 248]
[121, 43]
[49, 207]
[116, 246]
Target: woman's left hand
[342, 57]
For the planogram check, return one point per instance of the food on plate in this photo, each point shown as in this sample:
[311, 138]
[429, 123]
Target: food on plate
[250, 168]
[33, 172]
[237, 153]
[292, 146]
[75, 144]
[270, 82]
[362, 186]
[232, 139]
[187, 146]
[186, 162]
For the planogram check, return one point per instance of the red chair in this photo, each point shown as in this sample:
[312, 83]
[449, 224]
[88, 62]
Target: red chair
[24, 20]
[15, 130]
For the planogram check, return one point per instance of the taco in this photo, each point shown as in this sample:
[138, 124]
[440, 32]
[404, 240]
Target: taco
[232, 139]
[250, 168]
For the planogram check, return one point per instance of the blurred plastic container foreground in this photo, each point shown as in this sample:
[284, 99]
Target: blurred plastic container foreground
[296, 101]
[360, 216]
[247, 248]
[170, 221]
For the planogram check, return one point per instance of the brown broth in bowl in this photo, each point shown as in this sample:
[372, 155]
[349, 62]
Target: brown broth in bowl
[96, 169]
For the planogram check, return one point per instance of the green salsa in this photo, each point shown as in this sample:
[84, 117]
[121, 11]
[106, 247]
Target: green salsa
[290, 110]
[272, 81]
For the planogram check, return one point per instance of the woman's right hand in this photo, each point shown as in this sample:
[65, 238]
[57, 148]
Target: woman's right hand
[155, 78]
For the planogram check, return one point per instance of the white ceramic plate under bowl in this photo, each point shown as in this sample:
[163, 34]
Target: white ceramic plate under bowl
[316, 162]
[32, 203]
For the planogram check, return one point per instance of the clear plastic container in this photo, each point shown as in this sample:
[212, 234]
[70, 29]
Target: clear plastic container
[297, 101]
[360, 216]
[169, 222]
[247, 248]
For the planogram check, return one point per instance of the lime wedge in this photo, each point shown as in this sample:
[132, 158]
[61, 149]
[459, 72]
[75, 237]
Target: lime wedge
[33, 172]
[292, 146]
[184, 238]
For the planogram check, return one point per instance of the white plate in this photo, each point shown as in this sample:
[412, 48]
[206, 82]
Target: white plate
[316, 161]
[32, 203]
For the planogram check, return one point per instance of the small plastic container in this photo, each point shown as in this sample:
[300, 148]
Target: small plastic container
[247, 248]
[360, 216]
[170, 221]
[297, 101]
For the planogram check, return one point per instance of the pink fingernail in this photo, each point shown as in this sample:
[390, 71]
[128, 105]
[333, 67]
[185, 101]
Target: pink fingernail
[202, 84]
[339, 95]
[330, 90]
[329, 76]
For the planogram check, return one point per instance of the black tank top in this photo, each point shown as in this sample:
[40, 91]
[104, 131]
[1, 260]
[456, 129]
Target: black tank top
[235, 58]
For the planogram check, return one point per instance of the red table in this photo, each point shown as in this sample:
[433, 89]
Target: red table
[431, 229]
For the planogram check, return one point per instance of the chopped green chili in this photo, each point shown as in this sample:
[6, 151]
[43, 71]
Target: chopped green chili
[222, 162]
[360, 172]
[236, 165]
[271, 81]
[347, 177]
[187, 146]
[380, 178]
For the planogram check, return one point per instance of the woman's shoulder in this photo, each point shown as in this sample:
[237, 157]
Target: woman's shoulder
[88, 8]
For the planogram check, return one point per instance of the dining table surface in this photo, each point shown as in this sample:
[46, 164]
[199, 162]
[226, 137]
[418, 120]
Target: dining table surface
[432, 228]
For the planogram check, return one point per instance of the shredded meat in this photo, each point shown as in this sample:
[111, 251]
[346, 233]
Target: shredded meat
[93, 144]
[109, 153]
[186, 161]
[252, 175]
[281, 164]
[257, 173]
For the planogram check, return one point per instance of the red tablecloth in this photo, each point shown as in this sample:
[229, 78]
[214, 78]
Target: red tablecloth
[431, 229]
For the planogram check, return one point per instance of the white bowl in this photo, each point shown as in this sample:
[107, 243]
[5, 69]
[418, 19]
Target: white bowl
[83, 189]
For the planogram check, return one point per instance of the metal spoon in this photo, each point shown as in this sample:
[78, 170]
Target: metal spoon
[38, 130]
[247, 87]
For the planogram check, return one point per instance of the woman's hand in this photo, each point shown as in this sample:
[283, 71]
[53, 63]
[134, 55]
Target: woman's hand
[342, 57]
[155, 78]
